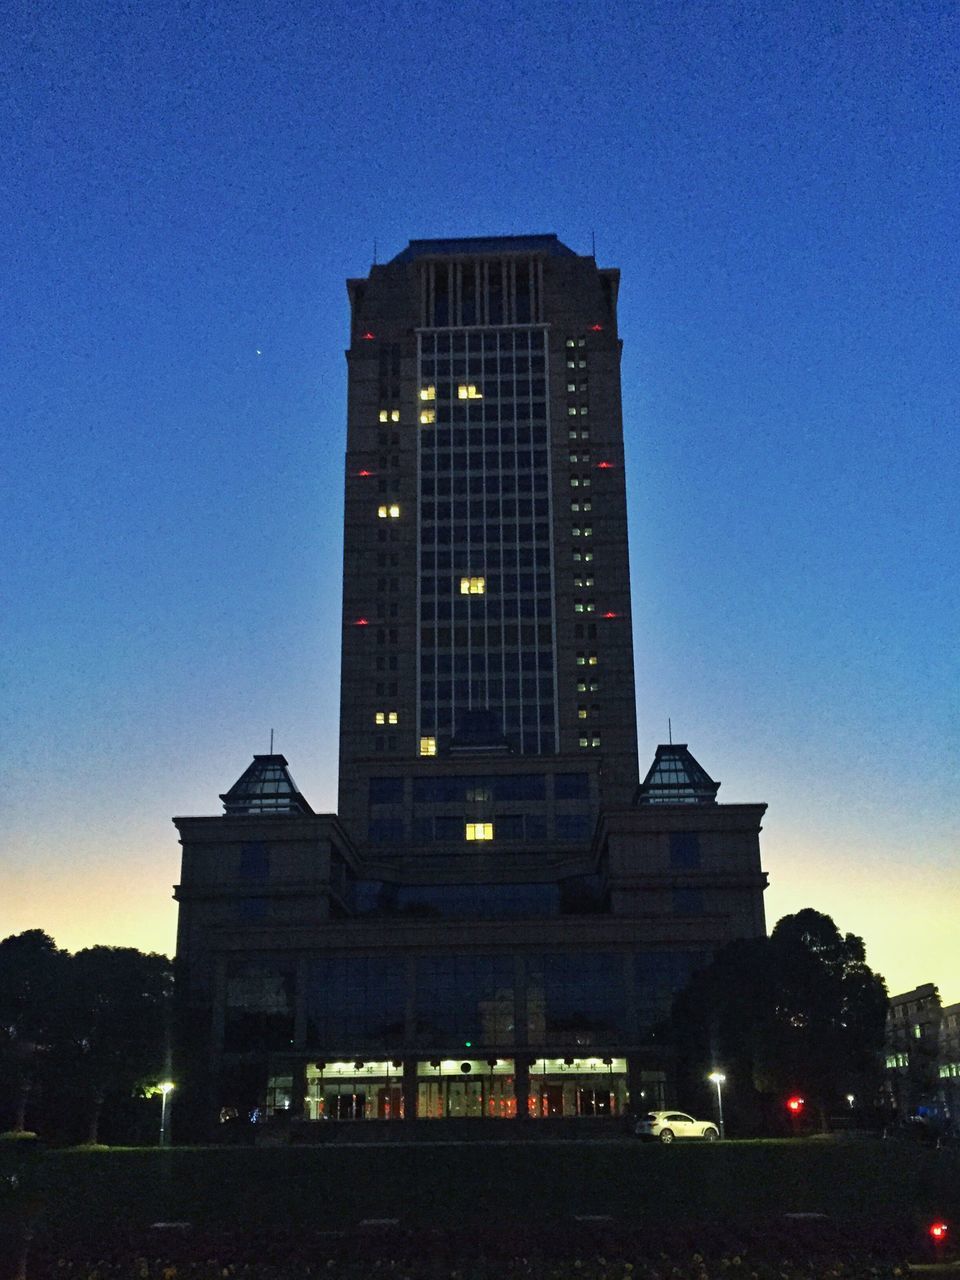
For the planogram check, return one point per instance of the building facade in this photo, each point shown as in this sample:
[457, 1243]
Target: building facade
[922, 1060]
[496, 921]
[486, 572]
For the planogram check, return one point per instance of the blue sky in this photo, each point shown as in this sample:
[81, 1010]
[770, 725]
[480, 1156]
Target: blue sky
[187, 188]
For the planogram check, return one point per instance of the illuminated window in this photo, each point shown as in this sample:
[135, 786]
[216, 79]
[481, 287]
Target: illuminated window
[428, 415]
[468, 391]
[479, 830]
[392, 717]
[473, 586]
[428, 393]
[584, 410]
[479, 795]
[581, 713]
[389, 415]
[583, 582]
[386, 717]
[388, 511]
[588, 686]
[384, 415]
[428, 746]
[571, 410]
[590, 742]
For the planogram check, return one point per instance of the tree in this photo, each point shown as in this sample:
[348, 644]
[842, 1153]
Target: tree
[830, 1014]
[32, 1010]
[798, 1012]
[119, 1015]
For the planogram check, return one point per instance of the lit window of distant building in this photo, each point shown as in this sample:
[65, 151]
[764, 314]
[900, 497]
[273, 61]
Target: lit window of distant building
[479, 831]
[428, 746]
[468, 391]
[428, 415]
[428, 393]
[473, 586]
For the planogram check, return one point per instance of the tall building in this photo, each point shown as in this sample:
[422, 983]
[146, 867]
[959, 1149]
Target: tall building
[496, 922]
[486, 575]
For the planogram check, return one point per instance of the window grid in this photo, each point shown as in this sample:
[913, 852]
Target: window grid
[485, 520]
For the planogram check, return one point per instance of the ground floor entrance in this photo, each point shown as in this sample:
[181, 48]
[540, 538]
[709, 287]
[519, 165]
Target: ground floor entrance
[439, 1089]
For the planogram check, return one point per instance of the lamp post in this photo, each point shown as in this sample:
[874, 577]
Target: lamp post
[166, 1088]
[718, 1078]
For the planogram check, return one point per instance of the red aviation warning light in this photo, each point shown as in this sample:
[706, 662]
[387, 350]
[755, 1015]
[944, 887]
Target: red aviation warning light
[596, 328]
[604, 466]
[361, 622]
[795, 1105]
[368, 336]
[938, 1231]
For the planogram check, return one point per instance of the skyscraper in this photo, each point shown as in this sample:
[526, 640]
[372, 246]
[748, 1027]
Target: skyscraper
[486, 574]
[499, 916]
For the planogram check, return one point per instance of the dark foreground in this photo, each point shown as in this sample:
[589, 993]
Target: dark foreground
[617, 1211]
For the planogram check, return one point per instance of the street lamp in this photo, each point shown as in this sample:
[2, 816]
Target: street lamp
[166, 1088]
[718, 1078]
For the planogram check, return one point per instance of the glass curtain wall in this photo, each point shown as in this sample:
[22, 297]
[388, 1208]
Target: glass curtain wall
[486, 633]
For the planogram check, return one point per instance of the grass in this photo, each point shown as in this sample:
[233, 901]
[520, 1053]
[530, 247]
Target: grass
[692, 1196]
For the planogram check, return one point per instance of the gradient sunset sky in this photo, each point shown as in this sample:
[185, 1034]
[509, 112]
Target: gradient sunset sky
[187, 186]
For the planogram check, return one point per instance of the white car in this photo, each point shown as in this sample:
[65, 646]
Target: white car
[666, 1126]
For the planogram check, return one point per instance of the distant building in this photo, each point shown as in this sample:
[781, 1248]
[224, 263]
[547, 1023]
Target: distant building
[923, 1054]
[501, 913]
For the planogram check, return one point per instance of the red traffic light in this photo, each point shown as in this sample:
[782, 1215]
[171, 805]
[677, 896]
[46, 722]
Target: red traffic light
[795, 1105]
[938, 1231]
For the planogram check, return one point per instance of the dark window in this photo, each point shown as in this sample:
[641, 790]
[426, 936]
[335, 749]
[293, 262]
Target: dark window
[253, 910]
[385, 830]
[259, 1005]
[688, 902]
[573, 826]
[470, 997]
[684, 849]
[254, 861]
[575, 999]
[508, 827]
[386, 790]
[571, 786]
[355, 999]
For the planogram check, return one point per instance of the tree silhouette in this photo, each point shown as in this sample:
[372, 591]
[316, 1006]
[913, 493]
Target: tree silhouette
[798, 1012]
